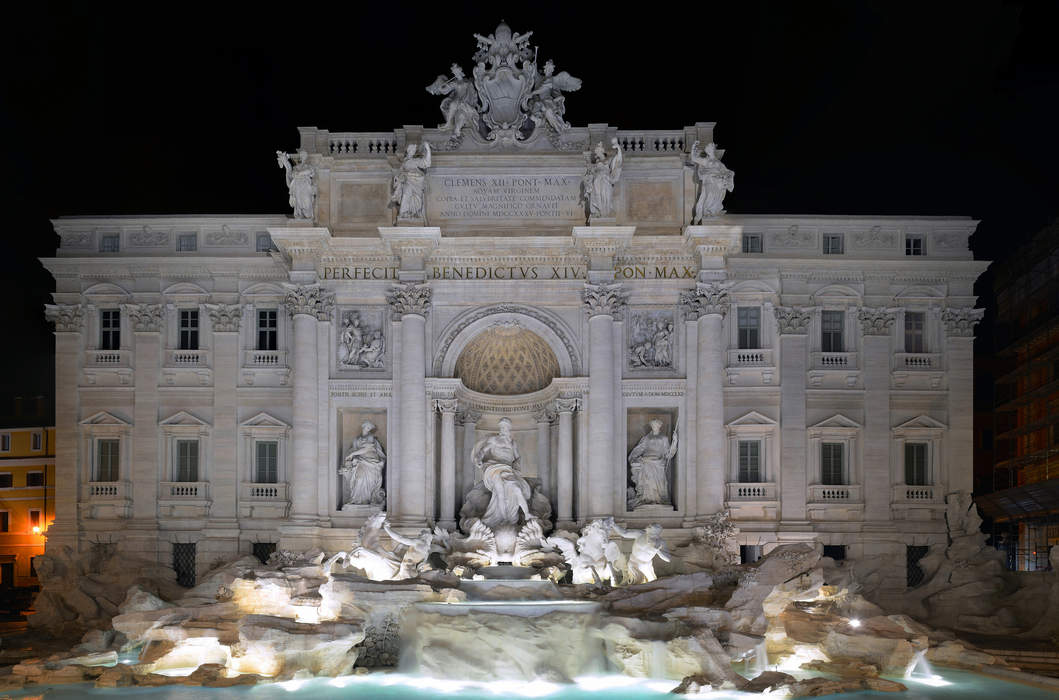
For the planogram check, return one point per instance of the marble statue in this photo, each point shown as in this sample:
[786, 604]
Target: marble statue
[460, 105]
[497, 459]
[647, 544]
[409, 182]
[417, 550]
[359, 346]
[601, 174]
[715, 180]
[301, 183]
[593, 558]
[362, 470]
[547, 103]
[649, 467]
[406, 560]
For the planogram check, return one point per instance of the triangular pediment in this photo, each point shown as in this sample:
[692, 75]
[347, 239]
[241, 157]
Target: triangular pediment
[921, 421]
[104, 418]
[264, 420]
[837, 421]
[183, 418]
[752, 418]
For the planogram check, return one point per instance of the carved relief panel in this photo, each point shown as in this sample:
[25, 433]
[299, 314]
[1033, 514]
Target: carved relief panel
[651, 342]
[361, 340]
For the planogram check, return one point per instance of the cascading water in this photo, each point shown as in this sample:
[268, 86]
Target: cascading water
[761, 658]
[919, 668]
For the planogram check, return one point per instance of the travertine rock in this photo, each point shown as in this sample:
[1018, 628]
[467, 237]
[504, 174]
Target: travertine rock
[758, 583]
[890, 655]
[644, 650]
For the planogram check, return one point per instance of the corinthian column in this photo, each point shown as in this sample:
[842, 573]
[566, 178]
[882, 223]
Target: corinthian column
[305, 305]
[447, 477]
[411, 303]
[69, 322]
[602, 302]
[709, 302]
[564, 464]
[544, 442]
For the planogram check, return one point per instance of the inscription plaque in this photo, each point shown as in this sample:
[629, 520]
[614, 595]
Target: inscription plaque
[498, 197]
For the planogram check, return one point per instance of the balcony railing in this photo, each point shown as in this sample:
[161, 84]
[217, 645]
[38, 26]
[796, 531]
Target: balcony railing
[916, 494]
[263, 492]
[108, 358]
[750, 358]
[845, 493]
[185, 358]
[834, 360]
[751, 492]
[103, 491]
[191, 490]
[917, 361]
[265, 358]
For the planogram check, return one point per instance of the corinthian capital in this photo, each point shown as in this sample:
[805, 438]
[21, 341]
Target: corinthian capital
[707, 298]
[410, 298]
[876, 321]
[68, 318]
[567, 405]
[603, 299]
[147, 318]
[310, 299]
[960, 323]
[225, 318]
[792, 320]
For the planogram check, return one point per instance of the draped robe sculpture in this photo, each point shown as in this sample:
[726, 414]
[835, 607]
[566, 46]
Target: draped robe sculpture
[649, 467]
[362, 469]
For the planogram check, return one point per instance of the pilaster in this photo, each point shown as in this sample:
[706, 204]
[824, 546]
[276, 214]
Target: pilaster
[602, 302]
[69, 324]
[447, 468]
[958, 325]
[876, 327]
[146, 321]
[793, 328]
[564, 463]
[226, 470]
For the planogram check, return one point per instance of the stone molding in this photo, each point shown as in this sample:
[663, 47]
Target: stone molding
[960, 323]
[604, 299]
[707, 298]
[145, 318]
[311, 300]
[225, 318]
[792, 320]
[410, 298]
[876, 321]
[68, 318]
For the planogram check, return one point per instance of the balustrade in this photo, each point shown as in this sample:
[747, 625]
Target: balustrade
[845, 493]
[752, 492]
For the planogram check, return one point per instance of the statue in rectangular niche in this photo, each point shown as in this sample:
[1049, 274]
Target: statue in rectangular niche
[651, 340]
[361, 342]
[649, 468]
[361, 470]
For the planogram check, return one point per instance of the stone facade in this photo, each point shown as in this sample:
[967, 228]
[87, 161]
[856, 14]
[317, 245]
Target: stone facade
[772, 350]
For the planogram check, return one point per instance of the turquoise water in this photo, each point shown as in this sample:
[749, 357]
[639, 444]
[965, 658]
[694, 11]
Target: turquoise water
[961, 684]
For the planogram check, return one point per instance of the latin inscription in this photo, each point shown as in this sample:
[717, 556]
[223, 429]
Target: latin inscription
[494, 197]
[512, 272]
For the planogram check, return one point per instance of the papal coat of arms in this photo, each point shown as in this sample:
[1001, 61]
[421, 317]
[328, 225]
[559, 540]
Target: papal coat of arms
[509, 99]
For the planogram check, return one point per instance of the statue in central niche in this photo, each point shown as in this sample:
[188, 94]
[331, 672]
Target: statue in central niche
[497, 458]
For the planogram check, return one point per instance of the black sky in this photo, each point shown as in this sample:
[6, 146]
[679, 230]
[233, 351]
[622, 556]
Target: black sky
[822, 108]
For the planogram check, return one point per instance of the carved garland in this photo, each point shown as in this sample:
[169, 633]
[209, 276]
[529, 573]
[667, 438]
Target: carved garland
[792, 320]
[145, 318]
[225, 318]
[876, 321]
[68, 318]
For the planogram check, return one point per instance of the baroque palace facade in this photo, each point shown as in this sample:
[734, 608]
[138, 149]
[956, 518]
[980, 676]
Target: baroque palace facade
[233, 384]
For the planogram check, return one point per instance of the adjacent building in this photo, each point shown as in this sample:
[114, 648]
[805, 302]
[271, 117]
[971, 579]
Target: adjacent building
[225, 383]
[27, 499]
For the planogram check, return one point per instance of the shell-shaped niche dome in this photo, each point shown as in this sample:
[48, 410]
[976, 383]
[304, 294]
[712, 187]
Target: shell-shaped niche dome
[507, 359]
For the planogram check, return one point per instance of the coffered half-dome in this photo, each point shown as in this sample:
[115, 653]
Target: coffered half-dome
[507, 359]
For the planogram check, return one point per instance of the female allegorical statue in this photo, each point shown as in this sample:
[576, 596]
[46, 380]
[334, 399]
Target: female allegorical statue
[498, 459]
[408, 183]
[649, 467]
[362, 469]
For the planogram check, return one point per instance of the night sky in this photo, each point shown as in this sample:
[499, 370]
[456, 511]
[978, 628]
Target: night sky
[822, 108]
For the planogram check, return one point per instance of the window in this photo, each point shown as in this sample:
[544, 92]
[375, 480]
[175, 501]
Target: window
[266, 329]
[110, 243]
[831, 323]
[266, 463]
[752, 243]
[833, 244]
[832, 464]
[34, 518]
[916, 467]
[264, 550]
[835, 551]
[35, 479]
[749, 327]
[5, 521]
[5, 442]
[264, 243]
[184, 563]
[914, 322]
[110, 329]
[914, 245]
[187, 460]
[187, 242]
[36, 440]
[749, 461]
[7, 481]
[189, 329]
[107, 460]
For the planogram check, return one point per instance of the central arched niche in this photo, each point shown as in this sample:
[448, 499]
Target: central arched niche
[507, 359]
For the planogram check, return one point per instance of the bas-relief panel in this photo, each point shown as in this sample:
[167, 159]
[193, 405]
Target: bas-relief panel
[362, 342]
[651, 341]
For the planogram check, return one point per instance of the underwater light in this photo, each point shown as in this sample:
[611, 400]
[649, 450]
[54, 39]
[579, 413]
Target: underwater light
[854, 622]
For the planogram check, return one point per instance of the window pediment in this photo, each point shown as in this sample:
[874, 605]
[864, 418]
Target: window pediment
[837, 424]
[752, 422]
[920, 425]
[264, 424]
[105, 419]
[183, 419]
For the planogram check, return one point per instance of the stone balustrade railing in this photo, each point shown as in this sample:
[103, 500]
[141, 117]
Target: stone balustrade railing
[844, 493]
[752, 492]
[194, 490]
[108, 358]
[103, 490]
[263, 492]
[833, 360]
[917, 361]
[750, 358]
[265, 358]
[185, 358]
[916, 494]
